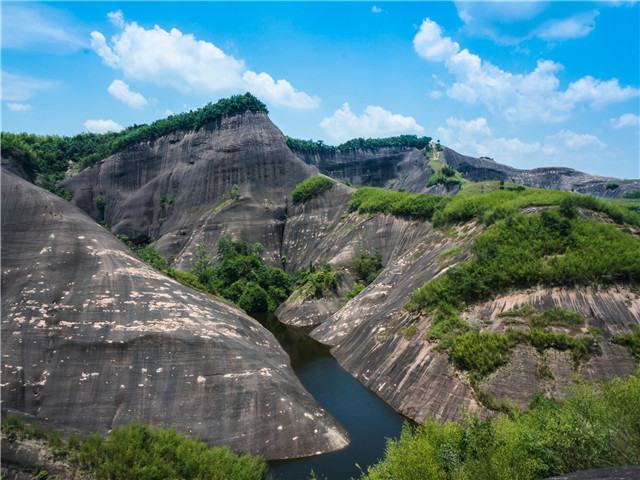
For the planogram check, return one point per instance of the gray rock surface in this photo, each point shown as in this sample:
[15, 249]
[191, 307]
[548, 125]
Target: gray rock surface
[406, 168]
[174, 189]
[92, 338]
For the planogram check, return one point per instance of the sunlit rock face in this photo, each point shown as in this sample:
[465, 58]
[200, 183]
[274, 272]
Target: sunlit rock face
[92, 338]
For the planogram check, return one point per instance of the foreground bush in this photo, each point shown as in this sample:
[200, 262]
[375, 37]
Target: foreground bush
[597, 427]
[139, 452]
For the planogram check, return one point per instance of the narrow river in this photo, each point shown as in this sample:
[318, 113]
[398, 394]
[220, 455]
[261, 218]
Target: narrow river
[369, 420]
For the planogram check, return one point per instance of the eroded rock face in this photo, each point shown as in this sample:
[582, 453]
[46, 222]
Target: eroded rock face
[406, 168]
[92, 338]
[178, 188]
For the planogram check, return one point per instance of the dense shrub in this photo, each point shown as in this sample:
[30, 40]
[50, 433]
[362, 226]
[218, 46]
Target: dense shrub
[138, 451]
[368, 266]
[630, 340]
[319, 283]
[598, 426]
[311, 188]
[377, 200]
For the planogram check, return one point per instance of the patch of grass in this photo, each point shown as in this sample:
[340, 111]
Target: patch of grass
[410, 332]
[373, 200]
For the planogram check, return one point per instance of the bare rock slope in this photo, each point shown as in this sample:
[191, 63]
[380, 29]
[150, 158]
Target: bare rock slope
[92, 338]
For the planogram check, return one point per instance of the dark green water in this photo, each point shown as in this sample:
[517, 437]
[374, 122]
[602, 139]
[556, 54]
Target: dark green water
[368, 419]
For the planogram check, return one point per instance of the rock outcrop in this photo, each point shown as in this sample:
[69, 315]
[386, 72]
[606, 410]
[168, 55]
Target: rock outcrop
[92, 338]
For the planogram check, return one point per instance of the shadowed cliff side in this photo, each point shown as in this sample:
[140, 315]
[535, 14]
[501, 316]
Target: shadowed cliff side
[92, 338]
[178, 189]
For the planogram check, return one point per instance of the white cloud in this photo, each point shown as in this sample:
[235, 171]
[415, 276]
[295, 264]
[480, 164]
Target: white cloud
[476, 138]
[375, 9]
[278, 93]
[534, 96]
[577, 26]
[171, 58]
[121, 91]
[39, 27]
[568, 140]
[430, 44]
[19, 107]
[374, 122]
[19, 88]
[102, 126]
[626, 120]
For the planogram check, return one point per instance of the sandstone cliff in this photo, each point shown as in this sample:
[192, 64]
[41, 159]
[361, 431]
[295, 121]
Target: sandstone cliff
[92, 338]
[178, 188]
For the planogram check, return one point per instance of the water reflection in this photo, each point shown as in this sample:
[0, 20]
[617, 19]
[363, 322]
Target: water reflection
[368, 419]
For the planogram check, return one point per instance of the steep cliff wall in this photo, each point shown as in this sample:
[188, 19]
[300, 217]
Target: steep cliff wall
[92, 338]
[174, 189]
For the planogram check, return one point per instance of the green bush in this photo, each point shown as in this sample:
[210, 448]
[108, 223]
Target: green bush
[311, 188]
[598, 426]
[357, 288]
[377, 200]
[318, 283]
[309, 146]
[630, 340]
[368, 266]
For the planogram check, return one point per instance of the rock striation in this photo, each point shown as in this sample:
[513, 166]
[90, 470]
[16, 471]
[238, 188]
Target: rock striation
[92, 338]
[178, 189]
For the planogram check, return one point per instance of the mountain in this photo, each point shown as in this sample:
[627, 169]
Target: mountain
[79, 310]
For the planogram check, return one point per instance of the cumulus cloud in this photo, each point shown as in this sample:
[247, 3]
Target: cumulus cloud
[178, 60]
[278, 93]
[430, 44]
[534, 96]
[102, 126]
[121, 91]
[374, 122]
[20, 88]
[626, 120]
[577, 26]
[19, 107]
[375, 9]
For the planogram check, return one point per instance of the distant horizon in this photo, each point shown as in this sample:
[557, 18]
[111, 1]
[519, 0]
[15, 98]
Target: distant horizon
[529, 84]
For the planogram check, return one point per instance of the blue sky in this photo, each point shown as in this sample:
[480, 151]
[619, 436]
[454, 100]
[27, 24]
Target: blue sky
[529, 84]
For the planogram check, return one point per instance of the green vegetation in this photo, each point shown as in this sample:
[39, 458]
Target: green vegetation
[596, 427]
[545, 248]
[138, 451]
[367, 267]
[373, 200]
[50, 155]
[632, 195]
[311, 188]
[612, 185]
[65, 192]
[630, 340]
[239, 275]
[309, 146]
[319, 283]
[444, 174]
[498, 204]
[357, 288]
